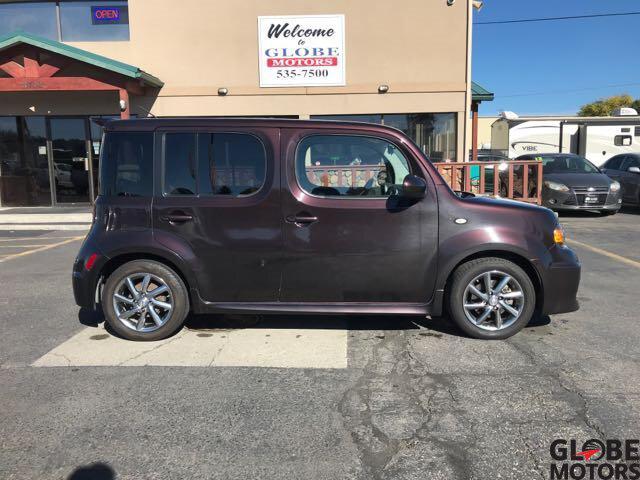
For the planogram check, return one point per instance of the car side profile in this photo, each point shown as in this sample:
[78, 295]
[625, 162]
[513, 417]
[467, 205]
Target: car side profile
[625, 169]
[287, 216]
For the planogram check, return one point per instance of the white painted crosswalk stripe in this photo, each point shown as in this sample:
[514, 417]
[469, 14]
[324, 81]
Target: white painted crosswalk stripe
[253, 347]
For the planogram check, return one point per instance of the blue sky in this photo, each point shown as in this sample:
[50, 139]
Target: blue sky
[574, 61]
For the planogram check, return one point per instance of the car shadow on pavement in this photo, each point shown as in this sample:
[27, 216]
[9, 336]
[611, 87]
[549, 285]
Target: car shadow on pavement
[440, 325]
[95, 471]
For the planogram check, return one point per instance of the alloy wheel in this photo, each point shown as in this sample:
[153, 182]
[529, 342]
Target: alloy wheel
[493, 300]
[143, 302]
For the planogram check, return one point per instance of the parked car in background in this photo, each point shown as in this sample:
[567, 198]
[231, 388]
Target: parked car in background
[489, 172]
[571, 182]
[625, 169]
[63, 175]
[236, 215]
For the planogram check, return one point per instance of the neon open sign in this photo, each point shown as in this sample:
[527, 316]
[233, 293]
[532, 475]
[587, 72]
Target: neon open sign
[109, 15]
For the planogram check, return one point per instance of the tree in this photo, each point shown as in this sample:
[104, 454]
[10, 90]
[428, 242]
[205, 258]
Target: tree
[605, 106]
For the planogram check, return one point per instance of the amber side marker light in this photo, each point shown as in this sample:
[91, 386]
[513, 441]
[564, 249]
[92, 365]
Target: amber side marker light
[558, 236]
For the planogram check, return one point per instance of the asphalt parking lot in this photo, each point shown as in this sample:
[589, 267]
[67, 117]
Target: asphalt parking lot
[311, 397]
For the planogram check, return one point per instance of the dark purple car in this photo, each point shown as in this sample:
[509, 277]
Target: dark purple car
[282, 216]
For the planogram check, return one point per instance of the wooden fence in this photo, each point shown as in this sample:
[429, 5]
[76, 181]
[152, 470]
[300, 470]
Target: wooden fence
[518, 179]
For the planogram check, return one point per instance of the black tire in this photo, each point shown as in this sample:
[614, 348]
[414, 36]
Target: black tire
[180, 299]
[465, 273]
[608, 213]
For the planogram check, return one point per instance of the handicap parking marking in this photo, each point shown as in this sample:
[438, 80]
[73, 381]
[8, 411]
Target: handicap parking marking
[250, 347]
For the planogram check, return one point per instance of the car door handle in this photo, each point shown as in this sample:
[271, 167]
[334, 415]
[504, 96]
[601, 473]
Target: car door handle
[301, 219]
[177, 218]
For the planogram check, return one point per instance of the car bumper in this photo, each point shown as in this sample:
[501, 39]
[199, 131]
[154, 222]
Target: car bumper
[561, 280]
[85, 282]
[563, 201]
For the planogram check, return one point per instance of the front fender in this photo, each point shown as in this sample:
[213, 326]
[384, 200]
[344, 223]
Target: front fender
[492, 240]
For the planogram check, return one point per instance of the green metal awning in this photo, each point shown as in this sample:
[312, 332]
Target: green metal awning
[115, 66]
[480, 94]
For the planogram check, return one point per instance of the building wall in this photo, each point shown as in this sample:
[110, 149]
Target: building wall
[418, 48]
[484, 132]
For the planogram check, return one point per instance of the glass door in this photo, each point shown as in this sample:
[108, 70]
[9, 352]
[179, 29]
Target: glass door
[70, 162]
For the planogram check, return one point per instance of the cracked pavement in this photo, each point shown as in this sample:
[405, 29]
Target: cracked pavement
[417, 399]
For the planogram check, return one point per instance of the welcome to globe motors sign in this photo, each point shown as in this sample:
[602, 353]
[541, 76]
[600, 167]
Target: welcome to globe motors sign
[301, 51]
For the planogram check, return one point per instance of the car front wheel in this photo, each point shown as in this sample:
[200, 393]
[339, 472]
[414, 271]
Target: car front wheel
[145, 300]
[491, 298]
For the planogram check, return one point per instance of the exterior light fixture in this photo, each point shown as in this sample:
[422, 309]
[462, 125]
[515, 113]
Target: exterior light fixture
[477, 4]
[383, 88]
[222, 91]
[450, 2]
[123, 105]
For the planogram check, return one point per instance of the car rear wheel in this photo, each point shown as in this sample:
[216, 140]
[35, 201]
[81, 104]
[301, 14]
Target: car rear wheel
[145, 300]
[491, 298]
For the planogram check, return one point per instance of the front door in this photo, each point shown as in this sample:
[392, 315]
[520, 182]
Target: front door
[348, 236]
[219, 194]
[70, 166]
[629, 180]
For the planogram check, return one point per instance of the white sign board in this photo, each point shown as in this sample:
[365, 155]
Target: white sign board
[301, 51]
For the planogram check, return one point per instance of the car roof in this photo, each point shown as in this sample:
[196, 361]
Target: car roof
[149, 124]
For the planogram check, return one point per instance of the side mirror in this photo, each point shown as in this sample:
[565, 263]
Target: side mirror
[634, 170]
[413, 187]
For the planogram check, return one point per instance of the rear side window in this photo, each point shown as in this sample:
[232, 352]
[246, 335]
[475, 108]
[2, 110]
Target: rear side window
[207, 164]
[126, 164]
[350, 166]
[180, 164]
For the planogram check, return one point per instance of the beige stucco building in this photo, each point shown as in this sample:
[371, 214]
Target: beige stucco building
[63, 63]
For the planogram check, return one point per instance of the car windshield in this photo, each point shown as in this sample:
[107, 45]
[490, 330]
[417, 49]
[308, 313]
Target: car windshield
[567, 164]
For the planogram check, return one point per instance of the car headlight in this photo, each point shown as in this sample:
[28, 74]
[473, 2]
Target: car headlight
[615, 186]
[560, 187]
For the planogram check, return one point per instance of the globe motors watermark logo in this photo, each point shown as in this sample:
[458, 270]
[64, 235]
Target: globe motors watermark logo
[610, 459]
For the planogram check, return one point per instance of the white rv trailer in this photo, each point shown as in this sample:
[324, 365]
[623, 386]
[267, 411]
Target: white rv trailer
[596, 138]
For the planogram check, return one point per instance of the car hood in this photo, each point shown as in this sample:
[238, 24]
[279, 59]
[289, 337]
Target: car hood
[573, 180]
[504, 202]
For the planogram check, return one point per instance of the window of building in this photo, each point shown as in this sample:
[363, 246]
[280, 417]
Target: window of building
[353, 166]
[67, 20]
[434, 133]
[38, 18]
[180, 168]
[94, 21]
[127, 164]
[230, 164]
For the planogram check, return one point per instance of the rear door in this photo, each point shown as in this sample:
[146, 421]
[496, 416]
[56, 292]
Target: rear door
[348, 236]
[218, 195]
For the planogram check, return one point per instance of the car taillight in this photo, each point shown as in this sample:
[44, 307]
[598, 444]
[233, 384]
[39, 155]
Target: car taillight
[88, 265]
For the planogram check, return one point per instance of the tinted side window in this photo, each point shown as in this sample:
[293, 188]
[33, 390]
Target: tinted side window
[230, 164]
[354, 166]
[126, 165]
[180, 163]
[630, 162]
[614, 163]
